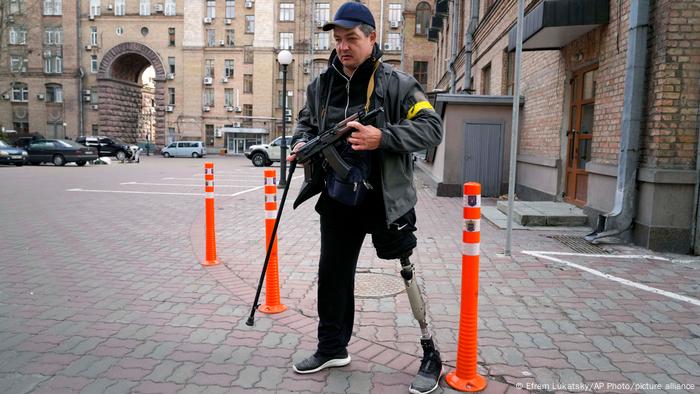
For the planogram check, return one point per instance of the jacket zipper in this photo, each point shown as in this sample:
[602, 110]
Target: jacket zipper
[347, 88]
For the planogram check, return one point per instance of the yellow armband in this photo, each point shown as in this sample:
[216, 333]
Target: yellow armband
[413, 111]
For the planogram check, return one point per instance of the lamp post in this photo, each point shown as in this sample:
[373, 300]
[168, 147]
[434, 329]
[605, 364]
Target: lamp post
[284, 58]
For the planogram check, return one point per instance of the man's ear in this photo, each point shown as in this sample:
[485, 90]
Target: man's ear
[373, 37]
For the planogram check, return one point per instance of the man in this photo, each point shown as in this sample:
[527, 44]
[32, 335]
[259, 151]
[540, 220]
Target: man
[381, 203]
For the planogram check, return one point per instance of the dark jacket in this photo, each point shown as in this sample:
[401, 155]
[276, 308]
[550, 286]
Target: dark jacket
[398, 93]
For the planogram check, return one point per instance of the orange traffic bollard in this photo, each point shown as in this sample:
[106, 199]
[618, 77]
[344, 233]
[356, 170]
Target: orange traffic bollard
[210, 241]
[272, 282]
[465, 378]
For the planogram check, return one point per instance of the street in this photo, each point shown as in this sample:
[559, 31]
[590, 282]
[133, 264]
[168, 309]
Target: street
[102, 290]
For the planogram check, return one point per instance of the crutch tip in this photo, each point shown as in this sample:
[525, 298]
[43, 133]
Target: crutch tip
[250, 322]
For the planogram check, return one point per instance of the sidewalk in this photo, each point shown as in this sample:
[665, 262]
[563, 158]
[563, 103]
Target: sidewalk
[152, 320]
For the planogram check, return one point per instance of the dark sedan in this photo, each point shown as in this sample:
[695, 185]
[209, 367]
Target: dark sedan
[11, 155]
[59, 152]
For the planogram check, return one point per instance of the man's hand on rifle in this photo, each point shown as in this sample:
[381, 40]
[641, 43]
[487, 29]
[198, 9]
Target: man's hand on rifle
[296, 148]
[364, 137]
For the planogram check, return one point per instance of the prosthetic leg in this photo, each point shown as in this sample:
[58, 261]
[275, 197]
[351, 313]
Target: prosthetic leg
[430, 370]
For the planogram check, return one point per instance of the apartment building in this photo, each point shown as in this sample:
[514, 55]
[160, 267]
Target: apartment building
[79, 68]
[609, 117]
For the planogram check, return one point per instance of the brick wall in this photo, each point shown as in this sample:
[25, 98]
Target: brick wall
[670, 140]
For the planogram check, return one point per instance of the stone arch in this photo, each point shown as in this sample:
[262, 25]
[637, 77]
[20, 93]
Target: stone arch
[119, 90]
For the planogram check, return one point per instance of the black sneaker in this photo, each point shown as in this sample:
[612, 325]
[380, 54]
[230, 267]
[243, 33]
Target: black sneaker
[317, 363]
[430, 370]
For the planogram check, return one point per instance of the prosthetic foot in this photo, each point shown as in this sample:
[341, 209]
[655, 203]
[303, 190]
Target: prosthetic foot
[430, 369]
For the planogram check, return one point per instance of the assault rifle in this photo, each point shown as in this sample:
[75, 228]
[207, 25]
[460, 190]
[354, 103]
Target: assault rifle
[323, 145]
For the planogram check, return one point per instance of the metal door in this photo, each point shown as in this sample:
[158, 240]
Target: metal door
[483, 156]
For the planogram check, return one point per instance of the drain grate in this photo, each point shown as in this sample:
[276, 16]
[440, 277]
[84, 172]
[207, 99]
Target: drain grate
[578, 244]
[376, 285]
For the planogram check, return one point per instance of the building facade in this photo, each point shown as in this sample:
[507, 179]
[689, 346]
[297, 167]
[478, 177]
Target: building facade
[611, 92]
[77, 68]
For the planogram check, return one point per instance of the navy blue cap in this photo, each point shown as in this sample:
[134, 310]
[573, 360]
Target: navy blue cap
[349, 15]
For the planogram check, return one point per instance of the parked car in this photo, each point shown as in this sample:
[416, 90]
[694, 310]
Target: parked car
[12, 155]
[107, 146]
[23, 142]
[266, 154]
[184, 149]
[60, 152]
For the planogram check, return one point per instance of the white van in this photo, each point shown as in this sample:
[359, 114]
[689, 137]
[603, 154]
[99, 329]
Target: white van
[185, 149]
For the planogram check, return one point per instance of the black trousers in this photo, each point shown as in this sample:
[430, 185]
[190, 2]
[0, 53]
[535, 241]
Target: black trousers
[341, 241]
[340, 249]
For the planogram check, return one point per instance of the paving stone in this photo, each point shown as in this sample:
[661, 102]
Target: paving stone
[183, 372]
[19, 384]
[271, 378]
[249, 376]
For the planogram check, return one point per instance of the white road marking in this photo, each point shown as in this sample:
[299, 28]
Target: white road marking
[180, 184]
[612, 256]
[218, 178]
[546, 255]
[161, 193]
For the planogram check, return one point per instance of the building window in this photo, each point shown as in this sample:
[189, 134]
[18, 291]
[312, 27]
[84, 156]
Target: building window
[230, 38]
[211, 37]
[171, 96]
[95, 130]
[119, 7]
[230, 9]
[53, 7]
[18, 64]
[250, 23]
[17, 7]
[53, 36]
[420, 73]
[286, 40]
[18, 35]
[248, 83]
[53, 61]
[170, 8]
[248, 55]
[423, 14]
[93, 35]
[286, 12]
[510, 72]
[228, 97]
[395, 12]
[208, 97]
[247, 109]
[394, 41]
[228, 68]
[20, 92]
[145, 8]
[209, 68]
[171, 36]
[94, 95]
[322, 13]
[94, 7]
[322, 40]
[290, 99]
[319, 67]
[54, 93]
[211, 9]
[171, 64]
[93, 64]
[486, 80]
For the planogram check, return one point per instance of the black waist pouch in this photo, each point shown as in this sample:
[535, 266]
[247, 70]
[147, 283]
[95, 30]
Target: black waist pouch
[353, 189]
